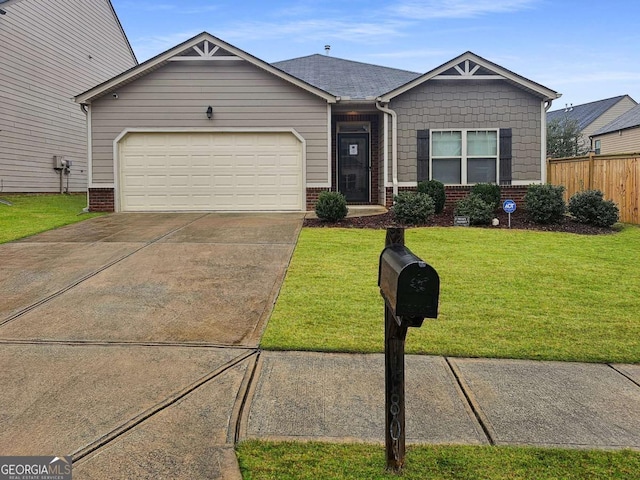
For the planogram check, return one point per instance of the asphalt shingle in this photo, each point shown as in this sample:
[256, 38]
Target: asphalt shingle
[586, 113]
[346, 78]
[628, 119]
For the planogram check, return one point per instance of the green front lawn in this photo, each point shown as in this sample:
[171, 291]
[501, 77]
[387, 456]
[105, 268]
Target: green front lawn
[31, 214]
[317, 461]
[504, 294]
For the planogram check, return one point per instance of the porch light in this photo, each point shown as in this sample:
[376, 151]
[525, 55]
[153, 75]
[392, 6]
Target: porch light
[209, 112]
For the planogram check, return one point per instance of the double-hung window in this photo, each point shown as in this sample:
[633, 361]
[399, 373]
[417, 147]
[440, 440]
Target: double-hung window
[460, 157]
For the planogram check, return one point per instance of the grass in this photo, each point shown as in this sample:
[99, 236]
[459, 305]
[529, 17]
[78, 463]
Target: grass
[31, 214]
[316, 461]
[504, 294]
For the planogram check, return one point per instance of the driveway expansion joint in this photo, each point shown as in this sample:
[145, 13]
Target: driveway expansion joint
[86, 277]
[628, 377]
[149, 413]
[473, 405]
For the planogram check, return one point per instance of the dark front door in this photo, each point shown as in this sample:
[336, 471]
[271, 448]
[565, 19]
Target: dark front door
[353, 166]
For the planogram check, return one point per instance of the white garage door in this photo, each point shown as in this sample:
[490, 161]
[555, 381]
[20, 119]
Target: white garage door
[210, 171]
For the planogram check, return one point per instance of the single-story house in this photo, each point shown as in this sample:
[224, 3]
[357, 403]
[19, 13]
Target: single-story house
[592, 116]
[622, 135]
[51, 50]
[207, 126]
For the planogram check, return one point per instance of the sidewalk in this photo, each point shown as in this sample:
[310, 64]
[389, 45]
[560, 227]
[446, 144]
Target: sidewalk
[340, 398]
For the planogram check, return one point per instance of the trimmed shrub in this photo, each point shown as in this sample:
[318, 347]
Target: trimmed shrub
[474, 207]
[544, 203]
[435, 190]
[591, 208]
[488, 192]
[331, 206]
[413, 208]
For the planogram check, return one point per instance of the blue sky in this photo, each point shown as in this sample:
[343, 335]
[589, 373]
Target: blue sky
[586, 50]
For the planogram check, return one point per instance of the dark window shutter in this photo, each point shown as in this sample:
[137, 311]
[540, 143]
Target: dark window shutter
[423, 155]
[505, 156]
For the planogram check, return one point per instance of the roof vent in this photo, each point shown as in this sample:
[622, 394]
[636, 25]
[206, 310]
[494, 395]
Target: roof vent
[568, 107]
[327, 48]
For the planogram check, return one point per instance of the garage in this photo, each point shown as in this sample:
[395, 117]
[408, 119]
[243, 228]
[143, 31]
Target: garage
[210, 171]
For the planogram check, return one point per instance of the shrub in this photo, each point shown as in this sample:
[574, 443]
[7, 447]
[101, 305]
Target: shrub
[590, 207]
[474, 207]
[435, 190]
[544, 203]
[413, 208]
[488, 192]
[331, 206]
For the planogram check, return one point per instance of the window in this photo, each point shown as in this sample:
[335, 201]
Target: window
[461, 157]
[596, 147]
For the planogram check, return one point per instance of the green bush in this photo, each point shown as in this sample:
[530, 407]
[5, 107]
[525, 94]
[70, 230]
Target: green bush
[545, 203]
[591, 208]
[331, 206]
[435, 190]
[474, 207]
[488, 192]
[413, 208]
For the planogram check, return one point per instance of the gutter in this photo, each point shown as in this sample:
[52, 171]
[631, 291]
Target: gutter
[394, 144]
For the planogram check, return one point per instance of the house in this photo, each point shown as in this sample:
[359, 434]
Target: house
[51, 51]
[207, 126]
[592, 116]
[622, 135]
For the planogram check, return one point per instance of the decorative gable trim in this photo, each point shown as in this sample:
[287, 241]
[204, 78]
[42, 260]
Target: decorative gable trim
[470, 66]
[202, 47]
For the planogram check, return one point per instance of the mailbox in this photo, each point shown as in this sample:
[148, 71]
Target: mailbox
[409, 285]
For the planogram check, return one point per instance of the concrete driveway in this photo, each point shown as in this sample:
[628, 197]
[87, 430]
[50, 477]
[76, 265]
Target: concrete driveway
[128, 340]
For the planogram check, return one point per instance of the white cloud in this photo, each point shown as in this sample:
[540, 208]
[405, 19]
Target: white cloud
[426, 9]
[324, 29]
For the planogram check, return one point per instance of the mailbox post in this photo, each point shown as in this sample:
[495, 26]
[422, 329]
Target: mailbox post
[410, 288]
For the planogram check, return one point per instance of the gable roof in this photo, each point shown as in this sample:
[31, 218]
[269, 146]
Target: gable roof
[587, 113]
[473, 67]
[629, 119]
[197, 47]
[346, 78]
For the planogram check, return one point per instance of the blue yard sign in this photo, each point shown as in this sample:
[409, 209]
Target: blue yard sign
[509, 206]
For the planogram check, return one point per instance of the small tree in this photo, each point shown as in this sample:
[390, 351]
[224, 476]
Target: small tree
[564, 138]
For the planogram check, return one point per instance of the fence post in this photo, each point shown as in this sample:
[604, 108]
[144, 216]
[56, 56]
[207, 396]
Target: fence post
[590, 185]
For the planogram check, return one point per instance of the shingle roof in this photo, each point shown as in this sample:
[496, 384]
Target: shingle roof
[586, 113]
[346, 78]
[629, 119]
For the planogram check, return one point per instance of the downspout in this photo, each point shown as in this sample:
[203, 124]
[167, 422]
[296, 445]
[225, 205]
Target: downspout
[546, 105]
[86, 108]
[394, 143]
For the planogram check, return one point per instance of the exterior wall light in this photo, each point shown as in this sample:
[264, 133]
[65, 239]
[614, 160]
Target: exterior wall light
[209, 112]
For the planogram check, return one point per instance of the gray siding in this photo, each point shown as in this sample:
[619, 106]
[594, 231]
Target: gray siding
[177, 96]
[51, 51]
[623, 141]
[470, 104]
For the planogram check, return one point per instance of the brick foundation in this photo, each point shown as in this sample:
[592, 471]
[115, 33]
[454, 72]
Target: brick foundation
[312, 197]
[457, 193]
[101, 200]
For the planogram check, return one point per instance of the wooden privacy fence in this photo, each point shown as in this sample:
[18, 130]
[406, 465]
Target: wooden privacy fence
[616, 176]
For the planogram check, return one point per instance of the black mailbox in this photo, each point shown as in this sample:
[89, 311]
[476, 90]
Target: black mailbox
[410, 286]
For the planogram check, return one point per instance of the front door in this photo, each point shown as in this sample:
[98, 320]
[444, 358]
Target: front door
[353, 166]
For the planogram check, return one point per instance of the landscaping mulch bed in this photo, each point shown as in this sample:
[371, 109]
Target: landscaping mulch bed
[519, 220]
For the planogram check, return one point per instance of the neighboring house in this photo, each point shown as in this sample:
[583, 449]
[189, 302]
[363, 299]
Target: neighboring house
[50, 51]
[594, 115]
[207, 126]
[619, 136]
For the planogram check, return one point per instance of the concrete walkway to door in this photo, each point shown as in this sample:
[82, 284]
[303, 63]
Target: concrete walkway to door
[128, 340]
